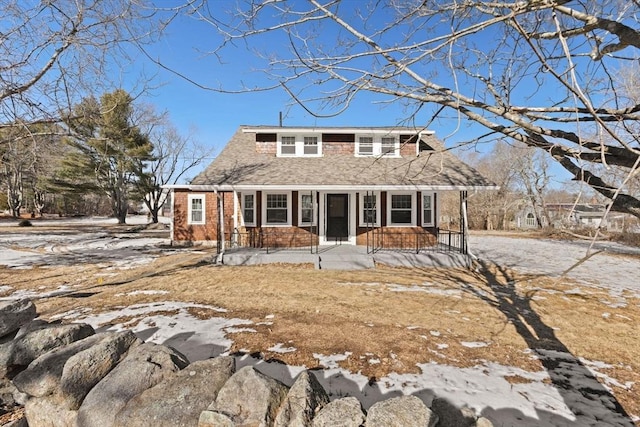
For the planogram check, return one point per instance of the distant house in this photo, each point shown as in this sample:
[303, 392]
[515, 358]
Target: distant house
[306, 186]
[572, 215]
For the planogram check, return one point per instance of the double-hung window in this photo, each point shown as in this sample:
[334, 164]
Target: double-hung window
[365, 146]
[276, 209]
[196, 212]
[428, 214]
[401, 209]
[369, 210]
[310, 145]
[388, 146]
[249, 208]
[288, 146]
[305, 213]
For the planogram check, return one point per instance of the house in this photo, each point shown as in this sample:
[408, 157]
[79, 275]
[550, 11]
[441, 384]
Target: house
[309, 186]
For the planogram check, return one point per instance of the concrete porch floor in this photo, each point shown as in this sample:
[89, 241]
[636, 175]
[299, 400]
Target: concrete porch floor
[345, 257]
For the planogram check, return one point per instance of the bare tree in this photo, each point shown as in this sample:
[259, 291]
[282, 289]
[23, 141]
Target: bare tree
[531, 170]
[536, 72]
[174, 155]
[56, 52]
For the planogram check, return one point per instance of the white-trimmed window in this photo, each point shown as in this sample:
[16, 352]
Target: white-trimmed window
[310, 147]
[306, 208]
[401, 209]
[388, 146]
[196, 212]
[299, 146]
[276, 208]
[377, 146]
[370, 209]
[288, 146]
[428, 210]
[365, 146]
[249, 208]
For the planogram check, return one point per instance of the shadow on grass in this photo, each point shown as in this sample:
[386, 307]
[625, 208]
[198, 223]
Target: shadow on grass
[588, 400]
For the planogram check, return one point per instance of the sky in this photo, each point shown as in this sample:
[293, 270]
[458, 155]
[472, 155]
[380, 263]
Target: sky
[214, 116]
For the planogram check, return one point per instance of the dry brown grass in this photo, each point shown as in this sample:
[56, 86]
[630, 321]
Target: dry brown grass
[363, 312]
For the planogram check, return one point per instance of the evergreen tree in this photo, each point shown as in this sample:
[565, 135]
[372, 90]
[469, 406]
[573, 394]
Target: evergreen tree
[109, 151]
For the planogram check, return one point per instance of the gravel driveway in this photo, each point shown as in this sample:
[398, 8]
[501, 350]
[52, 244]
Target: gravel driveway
[616, 266]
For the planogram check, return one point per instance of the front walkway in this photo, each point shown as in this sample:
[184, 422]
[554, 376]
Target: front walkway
[344, 257]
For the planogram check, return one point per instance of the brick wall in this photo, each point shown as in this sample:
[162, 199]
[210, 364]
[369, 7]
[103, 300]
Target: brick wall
[397, 237]
[185, 232]
[329, 148]
[266, 147]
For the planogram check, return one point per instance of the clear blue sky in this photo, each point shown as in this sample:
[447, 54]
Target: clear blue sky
[216, 116]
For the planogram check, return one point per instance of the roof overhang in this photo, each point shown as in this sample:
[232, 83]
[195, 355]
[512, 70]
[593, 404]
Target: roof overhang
[362, 130]
[344, 188]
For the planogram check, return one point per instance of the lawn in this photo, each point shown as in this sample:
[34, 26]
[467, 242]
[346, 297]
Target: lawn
[515, 347]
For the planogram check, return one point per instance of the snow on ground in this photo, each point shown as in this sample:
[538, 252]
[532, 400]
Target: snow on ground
[485, 388]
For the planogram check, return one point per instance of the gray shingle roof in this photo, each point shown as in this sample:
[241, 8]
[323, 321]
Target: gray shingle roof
[240, 165]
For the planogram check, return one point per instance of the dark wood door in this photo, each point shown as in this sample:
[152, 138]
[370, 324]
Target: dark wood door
[337, 216]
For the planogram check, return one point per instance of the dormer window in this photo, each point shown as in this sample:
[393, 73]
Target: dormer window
[377, 146]
[310, 145]
[299, 146]
[288, 145]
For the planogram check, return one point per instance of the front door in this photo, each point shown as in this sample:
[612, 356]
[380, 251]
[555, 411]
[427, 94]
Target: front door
[337, 216]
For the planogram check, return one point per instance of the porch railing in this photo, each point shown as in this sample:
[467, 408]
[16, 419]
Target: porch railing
[379, 239]
[271, 241]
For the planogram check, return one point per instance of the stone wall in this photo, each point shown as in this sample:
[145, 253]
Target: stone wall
[68, 375]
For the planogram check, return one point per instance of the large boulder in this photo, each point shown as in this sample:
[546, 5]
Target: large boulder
[46, 412]
[42, 377]
[145, 366]
[406, 411]
[305, 398]
[248, 398]
[450, 415]
[345, 412]
[180, 398]
[16, 355]
[14, 314]
[85, 369]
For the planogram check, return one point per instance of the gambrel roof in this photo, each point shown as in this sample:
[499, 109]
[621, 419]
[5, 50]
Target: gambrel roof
[241, 166]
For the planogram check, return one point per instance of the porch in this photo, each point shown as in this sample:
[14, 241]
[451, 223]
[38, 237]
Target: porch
[382, 247]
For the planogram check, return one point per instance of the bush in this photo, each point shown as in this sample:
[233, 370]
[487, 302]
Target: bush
[25, 223]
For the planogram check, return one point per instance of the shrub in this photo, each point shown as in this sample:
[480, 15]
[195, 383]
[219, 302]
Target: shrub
[25, 223]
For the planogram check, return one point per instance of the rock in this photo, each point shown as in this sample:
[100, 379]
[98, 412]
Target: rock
[483, 422]
[345, 412]
[46, 412]
[14, 314]
[20, 422]
[42, 376]
[452, 416]
[305, 398]
[145, 366]
[405, 411]
[19, 353]
[180, 398]
[214, 419]
[250, 398]
[85, 369]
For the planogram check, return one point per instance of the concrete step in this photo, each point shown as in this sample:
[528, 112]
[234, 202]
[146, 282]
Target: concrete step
[345, 262]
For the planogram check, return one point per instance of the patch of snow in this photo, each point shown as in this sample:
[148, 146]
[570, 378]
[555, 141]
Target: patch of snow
[435, 333]
[331, 361]
[474, 344]
[31, 294]
[280, 348]
[374, 361]
[455, 293]
[195, 338]
[147, 292]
